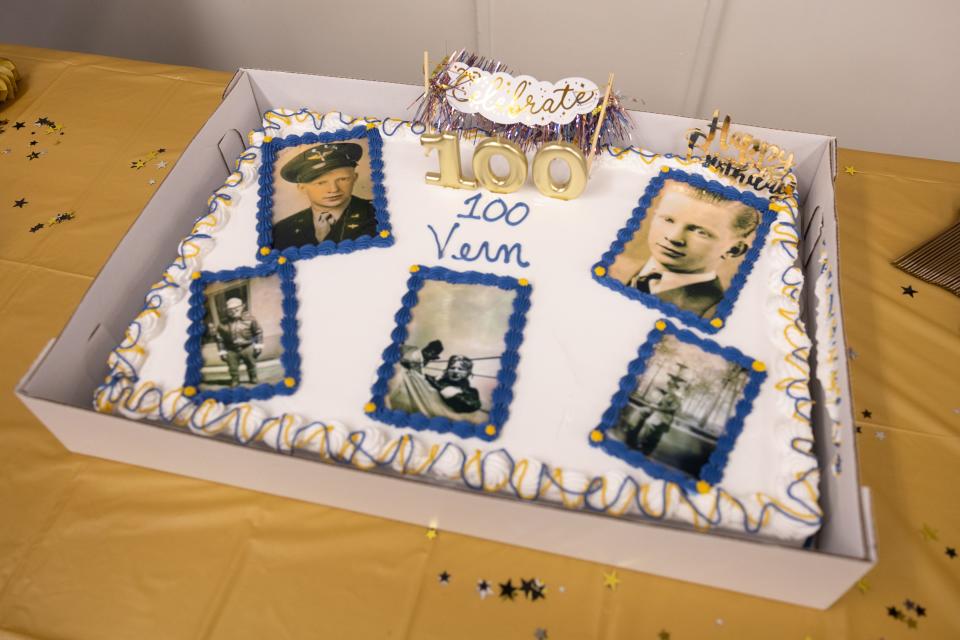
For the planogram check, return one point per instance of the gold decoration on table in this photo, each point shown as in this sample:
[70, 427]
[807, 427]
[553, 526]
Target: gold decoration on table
[9, 77]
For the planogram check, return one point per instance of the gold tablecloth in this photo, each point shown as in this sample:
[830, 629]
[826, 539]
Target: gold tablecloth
[95, 549]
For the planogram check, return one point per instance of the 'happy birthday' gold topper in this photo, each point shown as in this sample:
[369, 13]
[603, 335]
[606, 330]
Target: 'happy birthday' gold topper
[759, 164]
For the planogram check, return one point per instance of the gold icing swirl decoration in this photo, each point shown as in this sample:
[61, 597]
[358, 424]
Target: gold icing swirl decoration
[9, 77]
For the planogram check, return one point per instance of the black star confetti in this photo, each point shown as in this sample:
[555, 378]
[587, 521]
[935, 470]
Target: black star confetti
[43, 122]
[908, 603]
[19, 125]
[36, 227]
[921, 611]
[21, 203]
[540, 634]
[893, 612]
[526, 586]
[63, 217]
[444, 577]
[664, 635]
[951, 553]
[908, 290]
[859, 429]
[866, 413]
[507, 590]
[538, 591]
[484, 589]
[33, 155]
[33, 142]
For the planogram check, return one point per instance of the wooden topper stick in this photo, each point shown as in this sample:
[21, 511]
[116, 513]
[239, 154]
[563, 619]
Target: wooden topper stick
[426, 75]
[603, 113]
[426, 85]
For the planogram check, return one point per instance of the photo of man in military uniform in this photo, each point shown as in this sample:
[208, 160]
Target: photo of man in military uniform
[239, 341]
[325, 174]
[681, 405]
[658, 422]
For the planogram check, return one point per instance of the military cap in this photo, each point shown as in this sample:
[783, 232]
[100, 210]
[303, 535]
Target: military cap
[234, 303]
[316, 161]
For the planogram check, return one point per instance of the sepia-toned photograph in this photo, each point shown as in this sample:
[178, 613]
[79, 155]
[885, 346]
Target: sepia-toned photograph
[241, 344]
[681, 405]
[689, 246]
[322, 192]
[451, 357]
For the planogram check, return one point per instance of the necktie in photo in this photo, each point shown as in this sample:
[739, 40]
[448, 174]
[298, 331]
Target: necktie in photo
[643, 282]
[324, 224]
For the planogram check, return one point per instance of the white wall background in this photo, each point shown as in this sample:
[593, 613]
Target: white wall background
[881, 75]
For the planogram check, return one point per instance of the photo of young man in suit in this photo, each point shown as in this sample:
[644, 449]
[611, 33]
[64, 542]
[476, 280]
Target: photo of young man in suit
[324, 175]
[688, 248]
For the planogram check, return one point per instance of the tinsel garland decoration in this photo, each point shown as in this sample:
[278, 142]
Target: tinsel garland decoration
[435, 112]
[9, 76]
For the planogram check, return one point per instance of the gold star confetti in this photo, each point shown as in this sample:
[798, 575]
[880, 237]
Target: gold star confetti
[431, 533]
[137, 164]
[928, 532]
[851, 170]
[863, 585]
[611, 580]
[664, 635]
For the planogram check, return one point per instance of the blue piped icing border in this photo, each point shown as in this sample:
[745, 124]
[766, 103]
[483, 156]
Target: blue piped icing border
[384, 235]
[601, 270]
[506, 376]
[289, 337]
[712, 471]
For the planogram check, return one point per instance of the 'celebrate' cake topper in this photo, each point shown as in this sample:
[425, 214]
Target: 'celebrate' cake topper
[506, 99]
[469, 92]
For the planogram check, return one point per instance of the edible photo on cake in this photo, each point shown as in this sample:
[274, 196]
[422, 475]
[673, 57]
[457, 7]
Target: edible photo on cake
[241, 343]
[450, 359]
[678, 411]
[689, 245]
[322, 192]
[681, 405]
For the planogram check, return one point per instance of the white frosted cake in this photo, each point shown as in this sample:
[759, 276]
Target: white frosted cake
[636, 351]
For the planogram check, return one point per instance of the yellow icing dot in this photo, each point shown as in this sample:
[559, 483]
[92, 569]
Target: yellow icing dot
[267, 139]
[371, 125]
[716, 322]
[369, 407]
[289, 382]
[759, 366]
[414, 268]
[703, 486]
[660, 325]
[384, 234]
[281, 260]
[195, 275]
[264, 251]
[664, 169]
[490, 430]
[523, 282]
[189, 391]
[600, 271]
[596, 436]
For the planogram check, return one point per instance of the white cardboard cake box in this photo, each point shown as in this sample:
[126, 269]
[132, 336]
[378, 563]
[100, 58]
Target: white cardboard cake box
[59, 386]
